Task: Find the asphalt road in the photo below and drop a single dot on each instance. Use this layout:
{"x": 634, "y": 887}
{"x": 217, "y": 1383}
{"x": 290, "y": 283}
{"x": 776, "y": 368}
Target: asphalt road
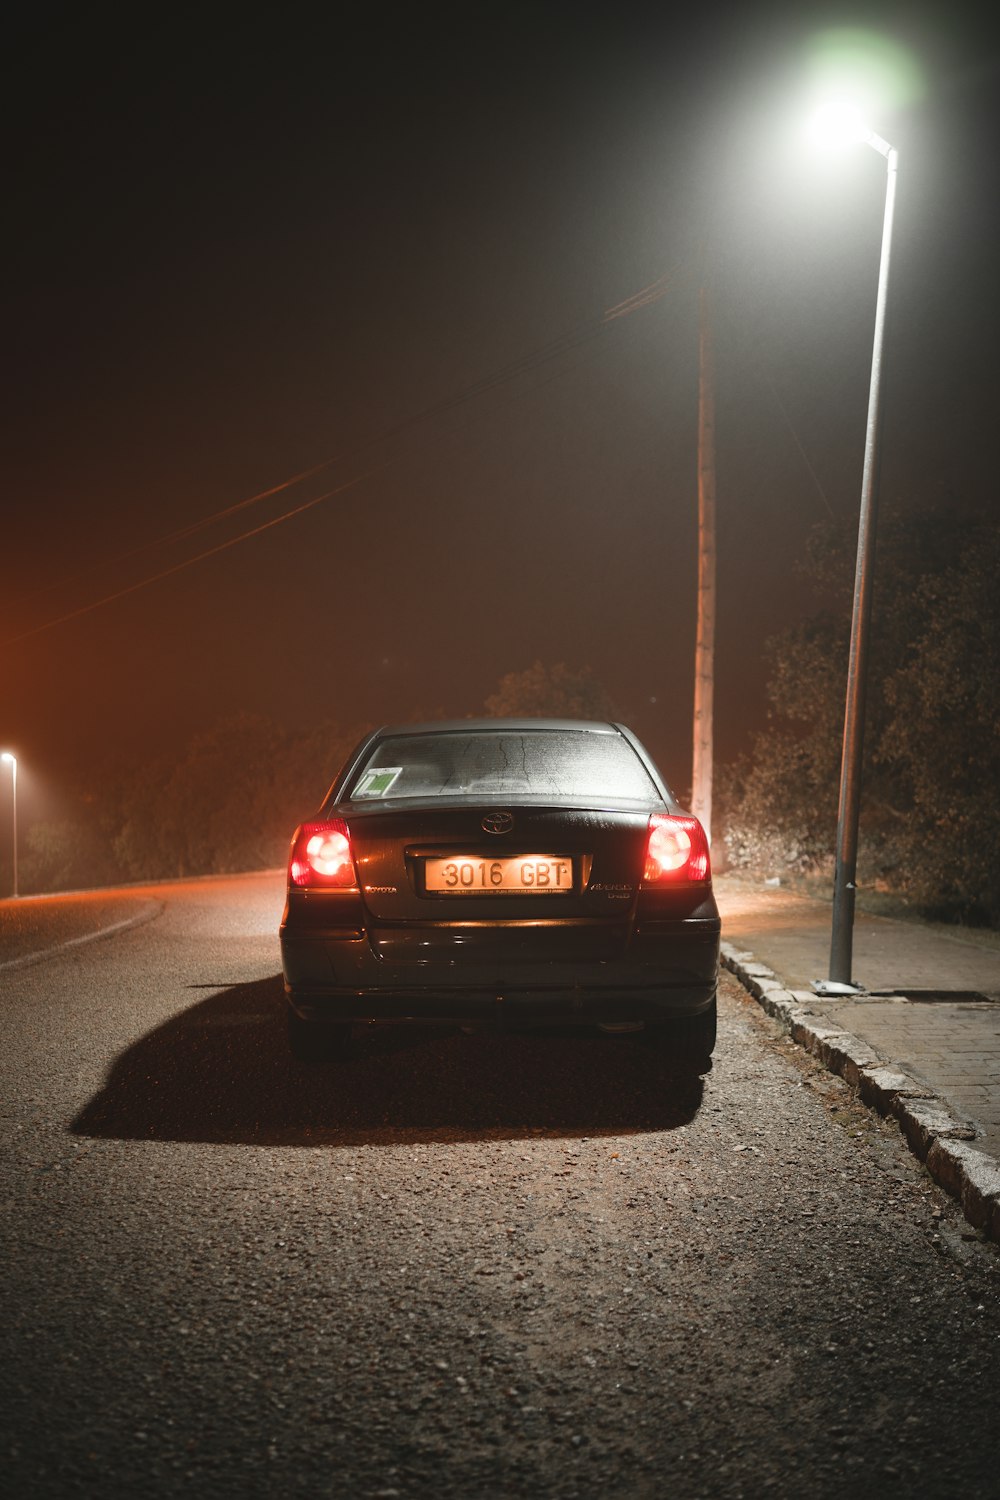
{"x": 461, "y": 1266}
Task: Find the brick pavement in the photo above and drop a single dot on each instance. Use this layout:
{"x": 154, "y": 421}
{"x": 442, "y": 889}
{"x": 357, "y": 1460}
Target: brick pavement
{"x": 955, "y": 1049}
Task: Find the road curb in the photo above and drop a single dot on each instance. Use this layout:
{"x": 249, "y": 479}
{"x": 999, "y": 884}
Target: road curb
{"x": 943, "y": 1142}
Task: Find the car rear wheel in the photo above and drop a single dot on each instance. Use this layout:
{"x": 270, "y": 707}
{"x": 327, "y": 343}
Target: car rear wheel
{"x": 689, "y": 1040}
{"x": 318, "y": 1041}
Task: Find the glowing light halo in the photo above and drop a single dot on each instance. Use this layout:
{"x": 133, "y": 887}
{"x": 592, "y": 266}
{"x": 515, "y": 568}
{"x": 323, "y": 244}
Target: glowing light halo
{"x": 839, "y": 122}
{"x": 328, "y": 853}
{"x": 854, "y": 76}
{"x": 669, "y": 846}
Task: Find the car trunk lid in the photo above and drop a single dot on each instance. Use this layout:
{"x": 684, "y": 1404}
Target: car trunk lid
{"x": 474, "y": 883}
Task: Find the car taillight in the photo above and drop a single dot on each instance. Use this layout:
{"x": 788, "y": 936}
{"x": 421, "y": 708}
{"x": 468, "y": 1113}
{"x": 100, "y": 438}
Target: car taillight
{"x": 676, "y": 850}
{"x": 321, "y": 856}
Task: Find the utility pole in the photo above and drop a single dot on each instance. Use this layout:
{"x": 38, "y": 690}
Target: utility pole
{"x": 704, "y": 656}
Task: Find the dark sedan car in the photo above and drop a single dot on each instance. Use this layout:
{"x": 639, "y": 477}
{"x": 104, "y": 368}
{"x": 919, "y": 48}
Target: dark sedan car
{"x": 501, "y": 872}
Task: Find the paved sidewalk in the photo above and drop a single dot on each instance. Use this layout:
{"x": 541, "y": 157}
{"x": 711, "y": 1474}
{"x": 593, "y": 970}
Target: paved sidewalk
{"x": 922, "y": 1044}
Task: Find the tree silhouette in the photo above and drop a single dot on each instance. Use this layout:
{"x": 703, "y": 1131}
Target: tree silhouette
{"x": 541, "y": 692}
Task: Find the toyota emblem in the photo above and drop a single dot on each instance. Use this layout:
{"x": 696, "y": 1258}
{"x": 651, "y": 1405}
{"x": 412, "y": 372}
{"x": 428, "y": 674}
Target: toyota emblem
{"x": 498, "y": 822}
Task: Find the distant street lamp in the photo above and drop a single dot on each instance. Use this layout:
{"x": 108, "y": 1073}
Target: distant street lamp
{"x": 11, "y": 760}
{"x": 846, "y": 124}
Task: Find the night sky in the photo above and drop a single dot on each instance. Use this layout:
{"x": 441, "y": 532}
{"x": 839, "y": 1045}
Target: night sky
{"x": 384, "y": 242}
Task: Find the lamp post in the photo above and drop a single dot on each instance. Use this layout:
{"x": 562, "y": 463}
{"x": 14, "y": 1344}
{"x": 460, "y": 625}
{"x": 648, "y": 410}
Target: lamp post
{"x": 11, "y": 760}
{"x": 845, "y": 870}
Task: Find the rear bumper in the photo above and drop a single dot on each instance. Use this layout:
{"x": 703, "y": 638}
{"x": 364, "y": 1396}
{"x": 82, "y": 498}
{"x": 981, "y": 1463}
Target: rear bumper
{"x": 666, "y": 972}
{"x": 513, "y": 1008}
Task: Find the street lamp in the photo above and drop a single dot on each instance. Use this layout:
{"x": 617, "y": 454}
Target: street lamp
{"x": 846, "y": 124}
{"x": 11, "y": 760}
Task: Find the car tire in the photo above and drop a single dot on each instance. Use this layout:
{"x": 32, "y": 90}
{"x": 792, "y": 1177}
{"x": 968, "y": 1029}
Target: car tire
{"x": 688, "y": 1041}
{"x": 318, "y": 1041}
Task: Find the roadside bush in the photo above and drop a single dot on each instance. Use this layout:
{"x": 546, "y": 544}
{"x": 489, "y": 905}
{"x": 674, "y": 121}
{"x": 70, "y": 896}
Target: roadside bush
{"x": 930, "y": 816}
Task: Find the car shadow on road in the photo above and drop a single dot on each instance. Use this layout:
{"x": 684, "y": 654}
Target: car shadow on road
{"x": 221, "y": 1071}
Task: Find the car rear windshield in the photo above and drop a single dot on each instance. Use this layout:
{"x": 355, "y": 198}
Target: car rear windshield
{"x": 581, "y": 765}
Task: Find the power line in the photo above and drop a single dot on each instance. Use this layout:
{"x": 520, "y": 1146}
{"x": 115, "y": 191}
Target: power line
{"x": 805, "y": 457}
{"x": 644, "y": 298}
{"x": 526, "y": 364}
{"x": 190, "y": 530}
{"x": 142, "y": 583}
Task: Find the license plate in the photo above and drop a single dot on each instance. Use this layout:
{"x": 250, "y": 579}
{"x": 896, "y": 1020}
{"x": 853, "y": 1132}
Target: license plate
{"x": 524, "y": 875}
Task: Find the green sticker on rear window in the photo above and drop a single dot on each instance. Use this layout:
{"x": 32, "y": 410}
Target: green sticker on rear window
{"x": 377, "y": 782}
